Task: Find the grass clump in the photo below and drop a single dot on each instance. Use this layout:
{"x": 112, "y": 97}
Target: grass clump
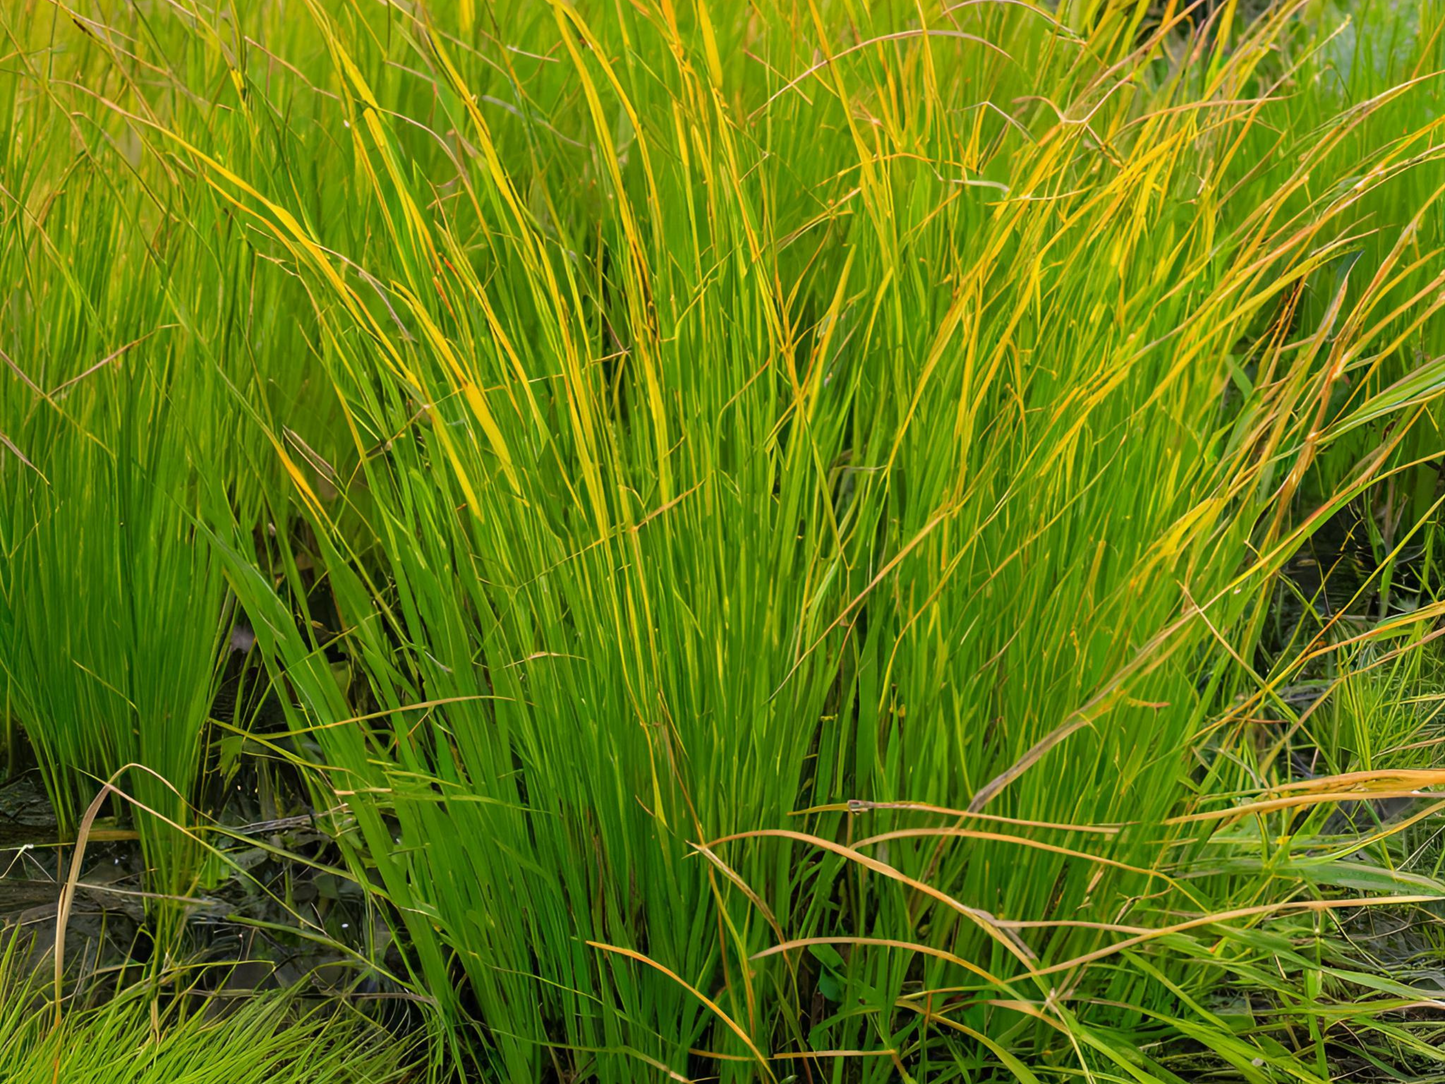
{"x": 134, "y": 1038}
{"x": 801, "y": 490}
{"x": 111, "y": 627}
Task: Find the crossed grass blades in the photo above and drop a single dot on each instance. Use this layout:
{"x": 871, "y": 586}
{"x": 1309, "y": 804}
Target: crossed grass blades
{"x": 802, "y": 487}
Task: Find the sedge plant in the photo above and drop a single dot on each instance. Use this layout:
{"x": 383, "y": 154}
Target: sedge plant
{"x": 801, "y": 485}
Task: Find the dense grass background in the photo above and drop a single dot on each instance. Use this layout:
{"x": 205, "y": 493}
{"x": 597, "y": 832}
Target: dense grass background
{"x": 766, "y": 517}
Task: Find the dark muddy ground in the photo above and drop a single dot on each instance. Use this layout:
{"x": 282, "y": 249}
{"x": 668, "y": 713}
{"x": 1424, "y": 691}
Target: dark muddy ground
{"x": 267, "y": 916}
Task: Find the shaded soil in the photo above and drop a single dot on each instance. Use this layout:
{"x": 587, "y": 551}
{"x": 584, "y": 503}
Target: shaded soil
{"x": 266, "y": 917}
